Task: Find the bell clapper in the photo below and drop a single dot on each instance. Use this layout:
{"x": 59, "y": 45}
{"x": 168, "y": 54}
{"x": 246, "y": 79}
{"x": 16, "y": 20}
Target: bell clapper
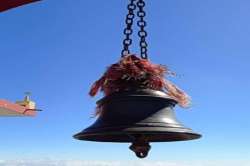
{"x": 141, "y": 147}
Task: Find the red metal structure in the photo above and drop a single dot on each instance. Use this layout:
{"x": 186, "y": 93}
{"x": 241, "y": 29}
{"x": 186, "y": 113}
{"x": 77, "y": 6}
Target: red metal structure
{"x": 9, "y": 4}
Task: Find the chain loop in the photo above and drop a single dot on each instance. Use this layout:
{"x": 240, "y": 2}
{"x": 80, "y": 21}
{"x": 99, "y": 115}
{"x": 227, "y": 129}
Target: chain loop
{"x": 128, "y": 30}
{"x": 142, "y": 33}
{"x": 141, "y": 23}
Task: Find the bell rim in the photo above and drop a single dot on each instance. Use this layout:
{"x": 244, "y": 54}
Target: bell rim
{"x": 155, "y": 133}
{"x": 184, "y": 136}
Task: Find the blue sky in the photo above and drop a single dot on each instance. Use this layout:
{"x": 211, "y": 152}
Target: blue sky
{"x": 57, "y": 50}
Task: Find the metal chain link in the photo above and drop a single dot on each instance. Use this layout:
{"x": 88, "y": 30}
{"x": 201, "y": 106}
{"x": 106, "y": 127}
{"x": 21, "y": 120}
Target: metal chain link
{"x": 128, "y": 30}
{"x": 141, "y": 23}
{"x": 142, "y": 33}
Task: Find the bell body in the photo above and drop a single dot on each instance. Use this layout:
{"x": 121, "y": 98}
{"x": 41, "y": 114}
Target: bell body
{"x": 137, "y": 115}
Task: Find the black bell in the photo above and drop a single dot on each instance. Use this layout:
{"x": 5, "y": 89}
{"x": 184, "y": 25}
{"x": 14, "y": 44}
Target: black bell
{"x": 139, "y": 117}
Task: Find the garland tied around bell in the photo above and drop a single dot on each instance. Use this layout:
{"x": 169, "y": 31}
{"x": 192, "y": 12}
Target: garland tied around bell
{"x": 132, "y": 72}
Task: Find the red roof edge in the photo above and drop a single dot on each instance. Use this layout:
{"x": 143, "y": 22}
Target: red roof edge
{"x": 9, "y": 4}
{"x": 16, "y": 109}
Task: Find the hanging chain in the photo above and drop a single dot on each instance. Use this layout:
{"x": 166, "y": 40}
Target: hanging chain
{"x": 142, "y": 33}
{"x": 128, "y": 30}
{"x": 141, "y": 23}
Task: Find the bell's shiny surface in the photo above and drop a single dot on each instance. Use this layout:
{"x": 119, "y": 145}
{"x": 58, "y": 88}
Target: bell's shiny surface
{"x": 139, "y": 117}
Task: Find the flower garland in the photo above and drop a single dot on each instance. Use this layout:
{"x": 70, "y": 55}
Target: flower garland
{"x": 132, "y": 72}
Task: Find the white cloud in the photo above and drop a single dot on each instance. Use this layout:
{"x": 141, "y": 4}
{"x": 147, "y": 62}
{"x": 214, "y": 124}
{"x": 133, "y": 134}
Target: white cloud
{"x": 120, "y": 163}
